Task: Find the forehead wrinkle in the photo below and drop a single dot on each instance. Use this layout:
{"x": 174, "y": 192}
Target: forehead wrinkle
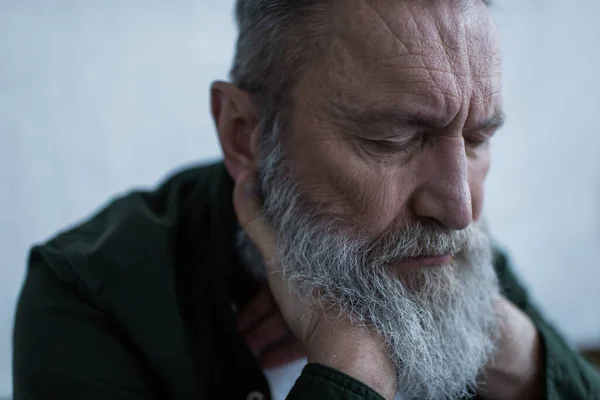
{"x": 354, "y": 110}
{"x": 385, "y": 23}
{"x": 430, "y": 90}
{"x": 419, "y": 47}
{"x": 415, "y": 42}
{"x": 472, "y": 52}
{"x": 442, "y": 73}
{"x": 483, "y": 55}
{"x": 403, "y": 74}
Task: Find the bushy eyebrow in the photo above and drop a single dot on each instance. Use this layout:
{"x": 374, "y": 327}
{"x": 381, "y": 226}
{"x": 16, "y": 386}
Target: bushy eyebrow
{"x": 493, "y": 123}
{"x": 397, "y": 117}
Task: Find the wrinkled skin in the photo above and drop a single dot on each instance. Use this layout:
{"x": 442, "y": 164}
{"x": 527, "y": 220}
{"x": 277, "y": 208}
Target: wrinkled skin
{"x": 395, "y": 124}
{"x": 390, "y": 125}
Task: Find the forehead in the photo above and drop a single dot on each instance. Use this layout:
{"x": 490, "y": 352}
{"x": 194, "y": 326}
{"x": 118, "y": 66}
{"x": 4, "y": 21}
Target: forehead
{"x": 433, "y": 54}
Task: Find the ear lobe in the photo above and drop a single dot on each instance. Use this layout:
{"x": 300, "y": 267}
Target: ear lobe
{"x": 236, "y": 119}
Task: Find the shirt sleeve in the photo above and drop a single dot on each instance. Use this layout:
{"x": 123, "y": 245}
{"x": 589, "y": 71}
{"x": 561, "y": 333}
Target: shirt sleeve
{"x": 318, "y": 382}
{"x": 568, "y": 375}
{"x": 64, "y": 348}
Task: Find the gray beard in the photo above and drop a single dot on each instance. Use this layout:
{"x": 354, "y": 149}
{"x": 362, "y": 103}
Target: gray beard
{"x": 438, "y": 324}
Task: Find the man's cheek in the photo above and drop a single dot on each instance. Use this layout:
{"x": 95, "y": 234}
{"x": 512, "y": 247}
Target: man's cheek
{"x": 382, "y": 202}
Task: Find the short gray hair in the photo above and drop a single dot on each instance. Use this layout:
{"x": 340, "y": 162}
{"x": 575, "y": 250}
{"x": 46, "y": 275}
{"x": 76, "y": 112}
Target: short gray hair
{"x": 276, "y": 39}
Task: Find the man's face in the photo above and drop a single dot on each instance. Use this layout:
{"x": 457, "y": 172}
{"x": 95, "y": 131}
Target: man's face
{"x": 383, "y": 161}
{"x": 392, "y": 125}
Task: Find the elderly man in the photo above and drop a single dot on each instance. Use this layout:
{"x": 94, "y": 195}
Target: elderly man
{"x": 339, "y": 252}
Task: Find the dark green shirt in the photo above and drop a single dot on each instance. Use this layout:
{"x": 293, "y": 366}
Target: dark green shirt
{"x": 136, "y": 303}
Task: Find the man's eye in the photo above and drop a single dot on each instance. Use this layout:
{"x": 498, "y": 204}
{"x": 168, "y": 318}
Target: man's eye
{"x": 477, "y": 140}
{"x": 388, "y": 146}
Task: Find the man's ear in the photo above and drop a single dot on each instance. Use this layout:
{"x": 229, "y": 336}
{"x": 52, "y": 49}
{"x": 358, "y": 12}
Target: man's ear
{"x": 237, "y": 122}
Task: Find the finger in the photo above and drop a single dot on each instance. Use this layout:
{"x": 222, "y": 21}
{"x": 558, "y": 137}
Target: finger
{"x": 259, "y": 308}
{"x": 248, "y": 208}
{"x": 271, "y": 331}
{"x": 282, "y": 355}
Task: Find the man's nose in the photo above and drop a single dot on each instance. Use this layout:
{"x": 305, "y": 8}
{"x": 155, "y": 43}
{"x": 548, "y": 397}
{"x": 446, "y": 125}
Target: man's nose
{"x": 444, "y": 193}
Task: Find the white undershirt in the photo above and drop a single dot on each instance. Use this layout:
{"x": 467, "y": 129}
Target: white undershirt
{"x": 281, "y": 379}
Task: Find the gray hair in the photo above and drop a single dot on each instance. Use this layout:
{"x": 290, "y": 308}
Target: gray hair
{"x": 274, "y": 36}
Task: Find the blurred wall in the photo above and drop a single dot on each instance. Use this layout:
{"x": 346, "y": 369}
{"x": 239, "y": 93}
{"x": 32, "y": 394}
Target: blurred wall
{"x": 100, "y": 96}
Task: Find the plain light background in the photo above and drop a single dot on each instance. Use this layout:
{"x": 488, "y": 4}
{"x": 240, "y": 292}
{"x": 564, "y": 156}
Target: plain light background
{"x": 97, "y": 97}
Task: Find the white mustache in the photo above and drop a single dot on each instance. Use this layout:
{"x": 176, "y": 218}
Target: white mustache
{"x": 420, "y": 240}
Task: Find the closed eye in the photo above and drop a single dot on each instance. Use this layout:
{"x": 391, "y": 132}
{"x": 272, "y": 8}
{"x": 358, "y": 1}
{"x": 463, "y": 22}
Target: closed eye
{"x": 477, "y": 139}
{"x": 390, "y": 147}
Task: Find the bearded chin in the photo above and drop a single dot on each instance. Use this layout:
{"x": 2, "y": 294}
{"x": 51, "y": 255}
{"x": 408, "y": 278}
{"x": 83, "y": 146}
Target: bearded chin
{"x": 438, "y": 324}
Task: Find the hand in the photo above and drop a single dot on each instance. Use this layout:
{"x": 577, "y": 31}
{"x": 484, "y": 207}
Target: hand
{"x": 340, "y": 345}
{"x": 517, "y": 370}
{"x": 265, "y": 331}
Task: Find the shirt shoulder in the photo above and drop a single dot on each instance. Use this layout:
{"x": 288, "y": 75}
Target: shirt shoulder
{"x": 135, "y": 234}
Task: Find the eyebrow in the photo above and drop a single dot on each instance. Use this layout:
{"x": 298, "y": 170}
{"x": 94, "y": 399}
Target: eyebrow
{"x": 372, "y": 117}
{"x": 496, "y": 121}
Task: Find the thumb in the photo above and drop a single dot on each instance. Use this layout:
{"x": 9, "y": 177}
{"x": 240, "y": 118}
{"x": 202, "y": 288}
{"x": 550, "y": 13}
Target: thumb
{"x": 248, "y": 208}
